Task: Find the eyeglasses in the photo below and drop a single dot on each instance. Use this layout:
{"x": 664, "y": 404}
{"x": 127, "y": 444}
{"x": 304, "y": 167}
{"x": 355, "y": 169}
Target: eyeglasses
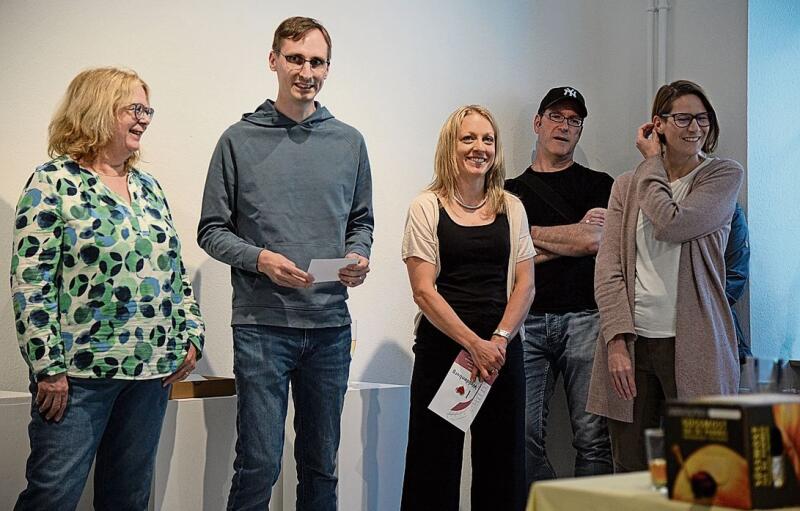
{"x": 139, "y": 111}
{"x": 298, "y": 61}
{"x": 557, "y": 118}
{"x": 683, "y": 120}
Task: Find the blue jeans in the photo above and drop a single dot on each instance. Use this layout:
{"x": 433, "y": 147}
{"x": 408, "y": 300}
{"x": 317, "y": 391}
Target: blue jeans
{"x": 119, "y": 421}
{"x": 562, "y": 344}
{"x": 265, "y": 359}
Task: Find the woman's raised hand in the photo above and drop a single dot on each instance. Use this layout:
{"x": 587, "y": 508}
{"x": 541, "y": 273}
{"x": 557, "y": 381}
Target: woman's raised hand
{"x": 647, "y": 141}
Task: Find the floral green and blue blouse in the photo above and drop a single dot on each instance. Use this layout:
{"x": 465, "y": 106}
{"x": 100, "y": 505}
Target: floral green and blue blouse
{"x": 99, "y": 288}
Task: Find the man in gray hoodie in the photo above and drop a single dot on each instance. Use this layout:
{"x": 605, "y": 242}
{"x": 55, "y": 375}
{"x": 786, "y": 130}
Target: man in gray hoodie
{"x": 287, "y": 184}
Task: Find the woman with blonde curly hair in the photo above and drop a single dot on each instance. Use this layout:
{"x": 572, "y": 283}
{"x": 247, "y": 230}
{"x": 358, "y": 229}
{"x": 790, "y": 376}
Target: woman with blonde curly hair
{"x": 105, "y": 314}
{"x": 469, "y": 257}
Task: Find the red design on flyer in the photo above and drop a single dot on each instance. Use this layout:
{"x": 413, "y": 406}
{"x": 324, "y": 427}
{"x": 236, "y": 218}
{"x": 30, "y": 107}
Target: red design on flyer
{"x": 458, "y": 399}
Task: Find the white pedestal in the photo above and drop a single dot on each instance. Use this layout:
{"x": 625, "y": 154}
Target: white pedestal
{"x": 195, "y": 456}
{"x": 194, "y": 464}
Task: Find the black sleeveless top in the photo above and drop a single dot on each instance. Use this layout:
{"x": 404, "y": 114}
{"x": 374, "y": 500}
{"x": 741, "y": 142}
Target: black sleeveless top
{"x": 474, "y": 271}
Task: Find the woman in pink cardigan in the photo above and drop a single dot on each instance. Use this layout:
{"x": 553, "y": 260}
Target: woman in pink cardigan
{"x": 666, "y": 328}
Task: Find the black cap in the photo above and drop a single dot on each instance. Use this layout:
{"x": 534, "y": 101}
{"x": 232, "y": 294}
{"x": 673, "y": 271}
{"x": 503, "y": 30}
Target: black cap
{"x": 560, "y": 94}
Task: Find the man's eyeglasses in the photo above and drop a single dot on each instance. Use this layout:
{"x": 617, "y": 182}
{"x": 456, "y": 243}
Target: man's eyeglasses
{"x": 298, "y": 61}
{"x": 683, "y": 120}
{"x": 139, "y": 111}
{"x": 575, "y": 122}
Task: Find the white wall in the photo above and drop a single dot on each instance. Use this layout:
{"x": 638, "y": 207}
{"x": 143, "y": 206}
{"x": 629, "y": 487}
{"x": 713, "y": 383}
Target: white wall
{"x": 709, "y": 46}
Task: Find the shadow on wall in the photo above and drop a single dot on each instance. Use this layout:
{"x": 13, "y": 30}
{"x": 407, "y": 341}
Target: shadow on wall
{"x": 212, "y": 289}
{"x": 13, "y": 370}
{"x": 390, "y": 363}
{"x": 522, "y": 137}
{"x": 219, "y": 451}
{"x": 369, "y": 437}
{"x": 203, "y": 366}
{"x": 376, "y": 435}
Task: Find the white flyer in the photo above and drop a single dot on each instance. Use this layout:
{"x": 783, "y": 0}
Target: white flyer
{"x": 458, "y": 400}
{"x": 327, "y": 270}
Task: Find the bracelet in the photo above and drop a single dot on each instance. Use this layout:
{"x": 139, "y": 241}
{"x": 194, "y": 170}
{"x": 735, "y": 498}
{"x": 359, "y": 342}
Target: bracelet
{"x": 505, "y": 334}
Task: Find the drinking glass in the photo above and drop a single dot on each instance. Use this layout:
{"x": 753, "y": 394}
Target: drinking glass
{"x": 656, "y": 461}
{"x": 748, "y": 382}
{"x": 789, "y": 382}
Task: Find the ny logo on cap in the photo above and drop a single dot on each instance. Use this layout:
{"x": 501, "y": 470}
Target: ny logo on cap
{"x": 569, "y": 91}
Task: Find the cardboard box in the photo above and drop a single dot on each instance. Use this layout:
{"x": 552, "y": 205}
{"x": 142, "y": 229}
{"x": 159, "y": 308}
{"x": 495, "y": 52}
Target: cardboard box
{"x": 736, "y": 451}
{"x": 203, "y": 386}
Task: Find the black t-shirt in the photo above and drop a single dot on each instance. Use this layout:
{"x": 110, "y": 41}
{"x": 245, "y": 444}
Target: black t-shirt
{"x": 565, "y": 284}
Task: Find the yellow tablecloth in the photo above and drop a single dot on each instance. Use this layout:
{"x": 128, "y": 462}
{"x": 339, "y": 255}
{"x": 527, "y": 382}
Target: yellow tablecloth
{"x": 623, "y": 492}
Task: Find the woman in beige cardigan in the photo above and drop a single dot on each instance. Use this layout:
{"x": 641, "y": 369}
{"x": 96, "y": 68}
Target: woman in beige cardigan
{"x": 469, "y": 255}
{"x": 666, "y": 328}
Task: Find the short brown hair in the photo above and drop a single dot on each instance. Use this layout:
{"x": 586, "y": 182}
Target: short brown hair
{"x": 667, "y": 94}
{"x": 85, "y": 121}
{"x": 445, "y": 165}
{"x": 295, "y": 28}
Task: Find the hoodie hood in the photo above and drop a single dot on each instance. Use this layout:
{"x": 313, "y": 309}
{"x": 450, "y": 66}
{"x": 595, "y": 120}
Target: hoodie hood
{"x": 266, "y": 115}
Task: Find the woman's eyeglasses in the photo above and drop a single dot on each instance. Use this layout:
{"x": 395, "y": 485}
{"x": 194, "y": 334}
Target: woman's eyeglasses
{"x": 683, "y": 120}
{"x": 139, "y": 111}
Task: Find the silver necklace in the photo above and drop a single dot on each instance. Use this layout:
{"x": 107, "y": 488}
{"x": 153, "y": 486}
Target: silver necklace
{"x": 460, "y": 201}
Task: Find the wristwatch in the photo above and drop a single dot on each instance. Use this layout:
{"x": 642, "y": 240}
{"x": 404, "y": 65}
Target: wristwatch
{"x": 505, "y": 334}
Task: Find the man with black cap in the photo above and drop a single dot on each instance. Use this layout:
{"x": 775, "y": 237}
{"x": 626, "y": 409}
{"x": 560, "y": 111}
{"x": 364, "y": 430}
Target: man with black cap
{"x": 566, "y": 205}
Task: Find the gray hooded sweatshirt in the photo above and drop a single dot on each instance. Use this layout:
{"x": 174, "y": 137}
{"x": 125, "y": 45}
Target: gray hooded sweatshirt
{"x": 302, "y": 190}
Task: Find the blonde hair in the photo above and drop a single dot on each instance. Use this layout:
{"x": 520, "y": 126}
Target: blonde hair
{"x": 445, "y": 163}
{"x": 87, "y": 117}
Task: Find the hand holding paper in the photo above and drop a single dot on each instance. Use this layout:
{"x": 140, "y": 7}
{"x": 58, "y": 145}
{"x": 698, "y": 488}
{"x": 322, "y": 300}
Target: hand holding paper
{"x": 282, "y": 271}
{"x": 354, "y": 274}
{"x": 327, "y": 270}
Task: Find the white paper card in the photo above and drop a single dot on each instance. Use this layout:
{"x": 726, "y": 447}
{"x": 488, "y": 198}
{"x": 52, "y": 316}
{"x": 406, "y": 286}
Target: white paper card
{"x": 458, "y": 399}
{"x": 327, "y": 270}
